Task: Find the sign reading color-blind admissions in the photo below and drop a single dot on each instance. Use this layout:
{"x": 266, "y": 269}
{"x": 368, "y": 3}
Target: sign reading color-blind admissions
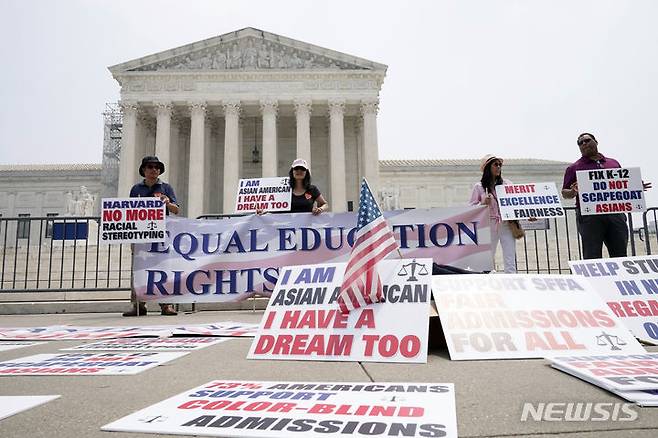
{"x": 533, "y": 200}
{"x": 301, "y": 409}
{"x": 605, "y": 191}
{"x": 268, "y": 194}
{"x": 303, "y": 320}
{"x": 132, "y": 220}
{"x": 629, "y": 285}
{"x": 511, "y": 316}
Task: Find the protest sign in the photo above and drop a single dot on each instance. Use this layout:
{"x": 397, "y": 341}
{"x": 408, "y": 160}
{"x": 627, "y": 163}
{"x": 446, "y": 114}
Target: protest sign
{"x": 303, "y": 320}
{"x": 606, "y": 191}
{"x": 522, "y": 201}
{"x": 269, "y": 194}
{"x": 78, "y": 364}
{"x": 233, "y": 259}
{"x": 304, "y": 409}
{"x": 65, "y": 333}
{"x": 12, "y": 345}
{"x": 647, "y": 397}
{"x": 224, "y": 328}
{"x": 149, "y": 344}
{"x": 629, "y": 285}
{"x": 132, "y": 220}
{"x": 13, "y": 404}
{"x": 525, "y": 316}
{"x": 620, "y": 372}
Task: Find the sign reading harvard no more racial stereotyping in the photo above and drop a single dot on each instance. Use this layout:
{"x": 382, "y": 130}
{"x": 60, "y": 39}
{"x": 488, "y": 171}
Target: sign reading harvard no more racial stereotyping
{"x": 268, "y": 194}
{"x": 132, "y": 220}
{"x": 301, "y": 409}
{"x": 303, "y": 320}
{"x": 606, "y": 191}
{"x": 533, "y": 200}
{"x": 512, "y": 316}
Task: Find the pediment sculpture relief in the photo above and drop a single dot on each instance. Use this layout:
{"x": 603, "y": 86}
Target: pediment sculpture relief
{"x": 249, "y": 53}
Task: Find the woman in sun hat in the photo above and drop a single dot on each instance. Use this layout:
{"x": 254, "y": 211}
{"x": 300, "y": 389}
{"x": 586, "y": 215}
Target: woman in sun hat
{"x": 306, "y": 198}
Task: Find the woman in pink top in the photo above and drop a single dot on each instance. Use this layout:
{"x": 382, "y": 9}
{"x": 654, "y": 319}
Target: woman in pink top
{"x": 484, "y": 193}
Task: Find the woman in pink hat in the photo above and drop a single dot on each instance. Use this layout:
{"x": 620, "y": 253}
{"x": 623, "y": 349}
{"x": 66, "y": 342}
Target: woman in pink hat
{"x": 484, "y": 193}
{"x": 306, "y": 198}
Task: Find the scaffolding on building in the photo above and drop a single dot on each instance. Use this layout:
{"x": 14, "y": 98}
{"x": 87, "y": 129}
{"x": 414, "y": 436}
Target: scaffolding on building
{"x": 112, "y": 129}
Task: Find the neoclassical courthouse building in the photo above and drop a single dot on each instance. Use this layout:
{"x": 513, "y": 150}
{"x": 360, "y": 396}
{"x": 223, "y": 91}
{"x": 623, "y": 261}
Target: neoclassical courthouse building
{"x": 244, "y": 105}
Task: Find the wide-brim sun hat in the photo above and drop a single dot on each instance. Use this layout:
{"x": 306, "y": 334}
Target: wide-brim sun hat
{"x": 149, "y": 160}
{"x": 487, "y": 159}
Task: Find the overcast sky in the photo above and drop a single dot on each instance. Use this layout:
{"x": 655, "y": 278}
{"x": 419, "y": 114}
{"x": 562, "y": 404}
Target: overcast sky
{"x": 516, "y": 78}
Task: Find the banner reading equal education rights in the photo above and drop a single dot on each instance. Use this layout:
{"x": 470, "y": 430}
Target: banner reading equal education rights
{"x": 234, "y": 258}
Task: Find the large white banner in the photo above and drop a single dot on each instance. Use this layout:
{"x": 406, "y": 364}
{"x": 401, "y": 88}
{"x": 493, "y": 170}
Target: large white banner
{"x": 606, "y": 191}
{"x": 76, "y": 364}
{"x": 301, "y": 409}
{"x": 523, "y": 201}
{"x": 235, "y": 258}
{"x": 511, "y": 316}
{"x": 269, "y": 194}
{"x": 13, "y": 404}
{"x": 303, "y": 321}
{"x": 629, "y": 285}
{"x": 12, "y": 345}
{"x": 149, "y": 344}
{"x": 132, "y": 220}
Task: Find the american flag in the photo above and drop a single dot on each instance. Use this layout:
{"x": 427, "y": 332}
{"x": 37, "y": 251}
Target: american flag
{"x": 374, "y": 241}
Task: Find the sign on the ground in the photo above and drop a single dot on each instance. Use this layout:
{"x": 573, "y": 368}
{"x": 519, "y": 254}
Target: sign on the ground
{"x": 621, "y": 372}
{"x": 132, "y": 220}
{"x": 12, "y": 345}
{"x": 76, "y": 364}
{"x": 606, "y": 191}
{"x": 304, "y": 409}
{"x": 65, "y": 332}
{"x": 303, "y": 320}
{"x": 526, "y": 316}
{"x": 629, "y": 285}
{"x": 269, "y": 194}
{"x": 532, "y": 200}
{"x": 13, "y": 404}
{"x": 149, "y": 344}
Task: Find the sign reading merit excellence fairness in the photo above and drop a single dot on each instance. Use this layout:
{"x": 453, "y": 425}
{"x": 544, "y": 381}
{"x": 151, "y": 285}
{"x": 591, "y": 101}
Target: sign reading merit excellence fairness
{"x": 605, "y": 191}
{"x": 132, "y": 220}
{"x": 301, "y": 409}
{"x": 512, "y": 316}
{"x": 629, "y": 285}
{"x": 303, "y": 320}
{"x": 522, "y": 201}
{"x": 269, "y": 194}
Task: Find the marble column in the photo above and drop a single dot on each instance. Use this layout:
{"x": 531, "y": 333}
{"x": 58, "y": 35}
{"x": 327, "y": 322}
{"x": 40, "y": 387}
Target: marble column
{"x": 173, "y": 173}
{"x": 270, "y": 160}
{"x": 231, "y": 155}
{"x": 338, "y": 201}
{"x": 196, "y": 183}
{"x": 303, "y": 116}
{"x": 163, "y": 134}
{"x": 370, "y": 152}
{"x": 128, "y": 162}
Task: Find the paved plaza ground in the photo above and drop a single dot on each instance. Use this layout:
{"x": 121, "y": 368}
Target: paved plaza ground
{"x": 489, "y": 394}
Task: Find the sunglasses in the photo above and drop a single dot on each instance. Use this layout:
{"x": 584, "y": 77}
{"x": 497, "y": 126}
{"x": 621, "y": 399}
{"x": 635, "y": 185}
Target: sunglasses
{"x": 582, "y": 141}
{"x": 299, "y": 168}
{"x": 152, "y": 166}
{"x": 497, "y": 164}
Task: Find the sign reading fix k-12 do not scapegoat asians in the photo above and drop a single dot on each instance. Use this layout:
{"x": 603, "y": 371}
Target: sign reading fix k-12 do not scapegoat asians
{"x": 303, "y": 320}
{"x": 606, "y": 191}
{"x": 512, "y": 316}
{"x": 533, "y": 200}
{"x": 267, "y": 194}
{"x": 132, "y": 220}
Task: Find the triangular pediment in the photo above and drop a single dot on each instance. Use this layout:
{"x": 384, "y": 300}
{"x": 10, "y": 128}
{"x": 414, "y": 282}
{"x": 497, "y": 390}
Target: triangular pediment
{"x": 247, "y": 49}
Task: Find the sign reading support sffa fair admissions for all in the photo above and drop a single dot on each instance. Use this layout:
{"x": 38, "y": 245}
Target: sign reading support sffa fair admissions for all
{"x": 301, "y": 409}
{"x": 303, "y": 320}
{"x": 629, "y": 285}
{"x": 269, "y": 194}
{"x": 523, "y": 201}
{"x": 605, "y": 191}
{"x": 132, "y": 220}
{"x": 512, "y": 316}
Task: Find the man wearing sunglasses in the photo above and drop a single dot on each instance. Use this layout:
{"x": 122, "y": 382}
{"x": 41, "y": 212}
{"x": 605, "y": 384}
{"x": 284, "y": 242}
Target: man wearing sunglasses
{"x": 595, "y": 230}
{"x": 151, "y": 186}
